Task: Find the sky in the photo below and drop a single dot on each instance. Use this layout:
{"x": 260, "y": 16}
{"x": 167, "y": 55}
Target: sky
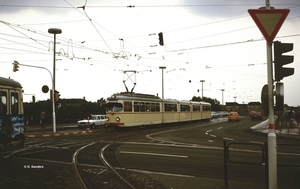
{"x": 105, "y": 45}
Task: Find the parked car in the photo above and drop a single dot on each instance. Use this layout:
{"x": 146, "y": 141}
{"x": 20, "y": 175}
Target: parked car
{"x": 93, "y": 121}
{"x": 234, "y": 116}
{"x": 256, "y": 115}
{"x": 252, "y": 112}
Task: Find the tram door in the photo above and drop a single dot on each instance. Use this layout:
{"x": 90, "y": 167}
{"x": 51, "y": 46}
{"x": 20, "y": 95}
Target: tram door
{"x": 11, "y": 118}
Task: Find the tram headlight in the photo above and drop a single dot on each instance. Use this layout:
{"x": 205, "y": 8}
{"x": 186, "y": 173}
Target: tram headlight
{"x": 118, "y": 118}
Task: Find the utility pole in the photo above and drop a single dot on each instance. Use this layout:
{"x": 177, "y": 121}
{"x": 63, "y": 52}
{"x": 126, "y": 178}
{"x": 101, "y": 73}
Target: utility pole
{"x": 202, "y": 81}
{"x": 54, "y": 31}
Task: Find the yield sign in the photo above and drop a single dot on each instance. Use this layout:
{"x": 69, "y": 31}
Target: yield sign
{"x": 269, "y": 21}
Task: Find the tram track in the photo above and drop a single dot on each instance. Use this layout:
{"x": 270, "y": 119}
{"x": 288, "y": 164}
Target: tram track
{"x": 75, "y": 164}
{"x": 93, "y": 174}
{"x": 101, "y": 156}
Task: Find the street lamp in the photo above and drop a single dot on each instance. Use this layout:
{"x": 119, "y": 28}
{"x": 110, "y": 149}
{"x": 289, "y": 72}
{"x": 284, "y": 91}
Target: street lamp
{"x": 54, "y": 31}
{"x": 162, "y": 80}
{"x": 222, "y": 96}
{"x": 202, "y": 81}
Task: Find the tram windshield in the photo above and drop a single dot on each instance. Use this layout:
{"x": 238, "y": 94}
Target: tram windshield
{"x": 114, "y": 107}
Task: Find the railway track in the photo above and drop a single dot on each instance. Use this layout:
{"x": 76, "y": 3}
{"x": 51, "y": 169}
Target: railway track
{"x": 69, "y": 164}
{"x": 95, "y": 174}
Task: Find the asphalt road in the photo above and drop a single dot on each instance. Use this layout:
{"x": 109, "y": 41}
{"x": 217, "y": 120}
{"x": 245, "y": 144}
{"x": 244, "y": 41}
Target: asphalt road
{"x": 177, "y": 156}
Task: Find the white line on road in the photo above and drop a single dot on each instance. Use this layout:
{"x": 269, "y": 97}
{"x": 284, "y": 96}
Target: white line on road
{"x": 160, "y": 173}
{"x": 152, "y": 154}
{"x": 227, "y": 138}
{"x": 208, "y": 132}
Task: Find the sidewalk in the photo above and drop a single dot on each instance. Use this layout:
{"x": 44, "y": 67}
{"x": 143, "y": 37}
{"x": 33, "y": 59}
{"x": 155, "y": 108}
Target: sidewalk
{"x": 280, "y": 127}
{"x": 47, "y": 131}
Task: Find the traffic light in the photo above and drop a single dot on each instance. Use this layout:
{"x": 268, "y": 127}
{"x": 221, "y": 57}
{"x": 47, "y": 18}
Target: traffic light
{"x": 279, "y": 97}
{"x": 161, "y": 38}
{"x": 280, "y": 60}
{"x": 16, "y": 66}
{"x": 56, "y": 96}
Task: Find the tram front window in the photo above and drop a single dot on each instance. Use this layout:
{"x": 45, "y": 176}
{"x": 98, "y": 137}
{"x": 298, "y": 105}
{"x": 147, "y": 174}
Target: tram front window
{"x": 3, "y": 102}
{"x": 114, "y": 107}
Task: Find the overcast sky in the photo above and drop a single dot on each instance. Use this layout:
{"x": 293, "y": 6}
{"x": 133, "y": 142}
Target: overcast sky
{"x": 215, "y": 41}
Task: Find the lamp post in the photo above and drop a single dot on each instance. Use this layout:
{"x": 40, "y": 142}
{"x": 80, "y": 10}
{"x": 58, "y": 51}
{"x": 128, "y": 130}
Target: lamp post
{"x": 54, "y": 31}
{"x": 222, "y": 96}
{"x": 162, "y": 80}
{"x": 202, "y": 81}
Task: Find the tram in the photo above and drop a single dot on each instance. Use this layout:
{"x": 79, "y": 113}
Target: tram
{"x": 129, "y": 109}
{"x": 11, "y": 114}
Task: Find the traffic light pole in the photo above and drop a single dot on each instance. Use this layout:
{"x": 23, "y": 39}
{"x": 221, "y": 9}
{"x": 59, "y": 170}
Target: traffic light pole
{"x": 53, "y": 99}
{"x": 272, "y": 147}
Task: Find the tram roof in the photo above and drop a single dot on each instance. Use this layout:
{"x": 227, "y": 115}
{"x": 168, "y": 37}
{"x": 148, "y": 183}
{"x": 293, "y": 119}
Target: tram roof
{"x": 133, "y": 96}
{"x": 149, "y": 97}
{"x": 9, "y": 82}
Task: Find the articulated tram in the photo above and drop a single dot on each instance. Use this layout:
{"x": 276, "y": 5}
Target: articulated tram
{"x": 11, "y": 114}
{"x": 133, "y": 109}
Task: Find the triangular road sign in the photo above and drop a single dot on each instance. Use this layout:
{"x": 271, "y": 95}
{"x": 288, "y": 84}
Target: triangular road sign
{"x": 269, "y": 21}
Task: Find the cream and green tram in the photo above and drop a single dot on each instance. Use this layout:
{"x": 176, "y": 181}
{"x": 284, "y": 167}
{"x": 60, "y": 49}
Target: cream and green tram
{"x": 12, "y": 125}
{"x": 133, "y": 109}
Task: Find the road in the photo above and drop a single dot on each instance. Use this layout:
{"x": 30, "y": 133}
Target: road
{"x": 177, "y": 156}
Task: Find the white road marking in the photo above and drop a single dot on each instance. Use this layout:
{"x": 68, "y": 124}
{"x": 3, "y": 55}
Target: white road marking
{"x": 227, "y": 138}
{"x": 153, "y": 154}
{"x": 208, "y": 132}
{"x": 160, "y": 173}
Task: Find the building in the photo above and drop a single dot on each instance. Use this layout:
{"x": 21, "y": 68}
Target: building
{"x": 244, "y": 109}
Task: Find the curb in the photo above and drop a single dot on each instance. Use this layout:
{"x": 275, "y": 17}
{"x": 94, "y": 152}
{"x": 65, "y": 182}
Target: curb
{"x": 58, "y": 134}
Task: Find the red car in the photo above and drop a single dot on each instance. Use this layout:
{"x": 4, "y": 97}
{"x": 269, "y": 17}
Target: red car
{"x": 256, "y": 115}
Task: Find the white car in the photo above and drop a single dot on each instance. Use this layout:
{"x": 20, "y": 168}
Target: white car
{"x": 94, "y": 121}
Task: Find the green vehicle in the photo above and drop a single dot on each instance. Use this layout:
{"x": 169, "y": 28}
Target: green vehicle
{"x": 12, "y": 123}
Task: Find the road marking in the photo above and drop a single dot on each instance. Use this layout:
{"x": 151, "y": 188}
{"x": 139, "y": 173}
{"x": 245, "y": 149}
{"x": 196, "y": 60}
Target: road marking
{"x": 220, "y": 128}
{"x": 227, "y": 138}
{"x": 255, "y": 142}
{"x": 152, "y": 154}
{"x": 210, "y": 141}
{"x": 160, "y": 173}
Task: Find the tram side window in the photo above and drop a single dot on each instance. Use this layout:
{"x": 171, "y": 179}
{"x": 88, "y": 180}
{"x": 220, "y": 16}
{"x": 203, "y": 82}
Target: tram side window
{"x": 171, "y": 107}
{"x": 196, "y": 108}
{"x": 206, "y": 108}
{"x": 3, "y": 105}
{"x": 14, "y": 103}
{"x": 127, "y": 106}
{"x": 185, "y": 108}
{"x": 146, "y": 107}
{"x": 142, "y": 107}
{"x": 139, "y": 106}
{"x": 136, "y": 106}
{"x": 155, "y": 107}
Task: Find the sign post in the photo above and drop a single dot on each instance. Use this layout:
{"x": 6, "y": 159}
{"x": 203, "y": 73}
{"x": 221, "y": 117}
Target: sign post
{"x": 269, "y": 22}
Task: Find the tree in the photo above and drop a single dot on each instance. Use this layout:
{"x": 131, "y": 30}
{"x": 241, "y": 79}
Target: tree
{"x": 215, "y": 104}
